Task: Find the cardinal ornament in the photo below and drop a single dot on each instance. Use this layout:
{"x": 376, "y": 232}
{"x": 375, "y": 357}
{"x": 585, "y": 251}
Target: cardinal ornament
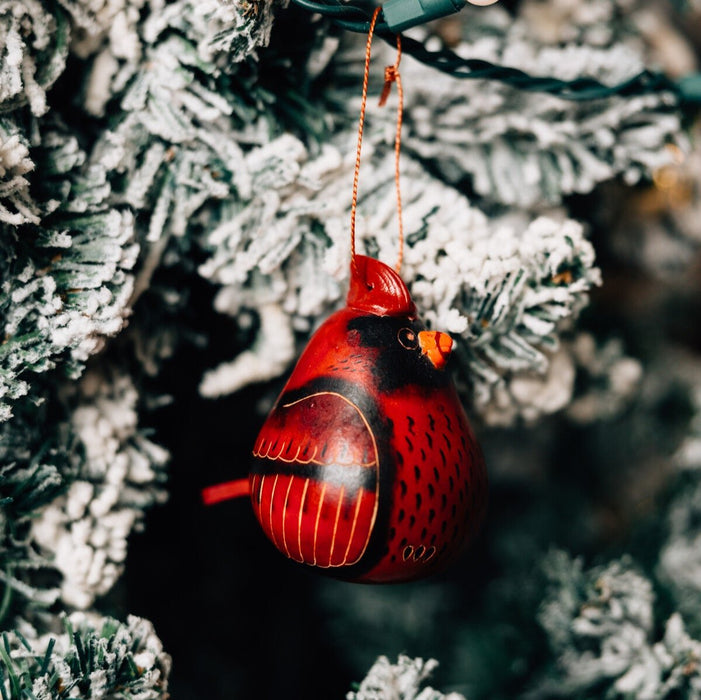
{"x": 367, "y": 466}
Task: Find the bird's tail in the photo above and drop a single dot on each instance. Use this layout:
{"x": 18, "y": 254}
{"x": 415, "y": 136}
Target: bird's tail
{"x": 225, "y": 491}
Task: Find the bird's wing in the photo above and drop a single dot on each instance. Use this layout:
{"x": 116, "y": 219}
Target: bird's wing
{"x": 314, "y": 485}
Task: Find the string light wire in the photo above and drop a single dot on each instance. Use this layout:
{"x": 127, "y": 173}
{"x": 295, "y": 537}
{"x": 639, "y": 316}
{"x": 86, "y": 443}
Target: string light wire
{"x": 357, "y": 19}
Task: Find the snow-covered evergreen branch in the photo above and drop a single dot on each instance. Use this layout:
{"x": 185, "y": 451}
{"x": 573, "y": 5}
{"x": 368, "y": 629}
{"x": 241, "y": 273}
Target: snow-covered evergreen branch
{"x": 91, "y": 658}
{"x": 521, "y": 149}
{"x": 503, "y": 287}
{"x": 400, "y": 681}
{"x": 600, "y": 625}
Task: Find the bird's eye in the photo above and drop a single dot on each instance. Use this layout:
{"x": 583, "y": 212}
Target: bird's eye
{"x": 408, "y": 339}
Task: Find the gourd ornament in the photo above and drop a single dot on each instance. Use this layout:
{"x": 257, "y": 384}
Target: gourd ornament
{"x": 367, "y": 467}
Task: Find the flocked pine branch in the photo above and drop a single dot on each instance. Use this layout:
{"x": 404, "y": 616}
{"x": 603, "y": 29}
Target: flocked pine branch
{"x": 16, "y": 205}
{"x": 64, "y": 288}
{"x": 602, "y": 632}
{"x": 522, "y": 149}
{"x": 92, "y": 657}
{"x": 502, "y": 287}
{"x": 73, "y": 491}
{"x": 661, "y": 236}
{"x": 611, "y": 378}
{"x": 400, "y": 681}
{"x": 34, "y": 46}
{"x": 118, "y": 474}
{"x": 36, "y": 468}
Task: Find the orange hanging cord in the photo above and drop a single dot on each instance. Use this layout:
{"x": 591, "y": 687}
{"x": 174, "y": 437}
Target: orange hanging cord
{"x": 391, "y": 76}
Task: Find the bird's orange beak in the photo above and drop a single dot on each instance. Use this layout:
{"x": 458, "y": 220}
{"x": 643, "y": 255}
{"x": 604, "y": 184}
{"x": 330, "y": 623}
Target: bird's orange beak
{"x": 436, "y": 346}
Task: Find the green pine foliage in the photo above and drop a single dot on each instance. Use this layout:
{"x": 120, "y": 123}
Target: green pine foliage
{"x": 89, "y": 658}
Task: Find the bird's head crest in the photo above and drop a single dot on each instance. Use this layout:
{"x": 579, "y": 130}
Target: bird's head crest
{"x": 375, "y": 288}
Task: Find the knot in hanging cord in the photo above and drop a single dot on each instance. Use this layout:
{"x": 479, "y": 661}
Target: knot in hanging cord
{"x": 391, "y": 76}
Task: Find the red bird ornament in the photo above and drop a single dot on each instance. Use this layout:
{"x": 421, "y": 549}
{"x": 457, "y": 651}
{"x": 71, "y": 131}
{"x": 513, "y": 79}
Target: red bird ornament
{"x": 367, "y": 466}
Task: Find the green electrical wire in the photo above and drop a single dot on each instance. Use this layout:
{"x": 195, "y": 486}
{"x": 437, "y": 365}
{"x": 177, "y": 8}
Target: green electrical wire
{"x": 357, "y": 19}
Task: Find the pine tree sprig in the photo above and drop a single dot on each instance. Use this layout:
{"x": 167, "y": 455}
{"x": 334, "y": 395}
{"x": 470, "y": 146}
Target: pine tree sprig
{"x": 93, "y": 658}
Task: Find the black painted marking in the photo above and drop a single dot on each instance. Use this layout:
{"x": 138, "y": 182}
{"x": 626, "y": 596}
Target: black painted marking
{"x": 419, "y": 552}
{"x": 429, "y": 440}
{"x": 447, "y": 441}
{"x": 410, "y": 427}
{"x": 400, "y": 458}
{"x": 392, "y": 533}
{"x": 444, "y": 501}
{"x": 443, "y": 459}
{"x": 394, "y": 367}
{"x": 400, "y": 516}
{"x": 431, "y": 490}
{"x": 403, "y": 487}
{"x": 431, "y": 422}
{"x": 444, "y": 527}
{"x": 429, "y": 553}
{"x": 424, "y": 532}
{"x": 448, "y": 423}
{"x": 431, "y": 515}
{"x": 433, "y": 539}
{"x": 454, "y": 510}
{"x": 408, "y": 551}
{"x": 418, "y": 501}
{"x": 436, "y": 474}
{"x": 417, "y": 472}
{"x": 403, "y": 542}
{"x": 412, "y": 521}
{"x": 423, "y": 454}
{"x": 410, "y": 447}
{"x": 451, "y": 483}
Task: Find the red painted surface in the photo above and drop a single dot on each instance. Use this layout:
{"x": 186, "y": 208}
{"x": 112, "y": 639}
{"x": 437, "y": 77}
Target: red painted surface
{"x": 367, "y": 465}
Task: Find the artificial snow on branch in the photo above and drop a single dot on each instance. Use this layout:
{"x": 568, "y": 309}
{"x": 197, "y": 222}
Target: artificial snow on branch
{"x": 33, "y": 46}
{"x": 601, "y": 629}
{"x": 16, "y": 205}
{"x": 517, "y": 148}
{"x": 503, "y": 287}
{"x": 62, "y": 301}
{"x": 119, "y": 473}
{"x": 35, "y": 469}
{"x": 660, "y": 233}
{"x": 400, "y": 681}
{"x": 612, "y": 379}
{"x": 93, "y": 657}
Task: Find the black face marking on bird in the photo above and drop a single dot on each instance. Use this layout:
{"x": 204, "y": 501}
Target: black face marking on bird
{"x": 399, "y": 361}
